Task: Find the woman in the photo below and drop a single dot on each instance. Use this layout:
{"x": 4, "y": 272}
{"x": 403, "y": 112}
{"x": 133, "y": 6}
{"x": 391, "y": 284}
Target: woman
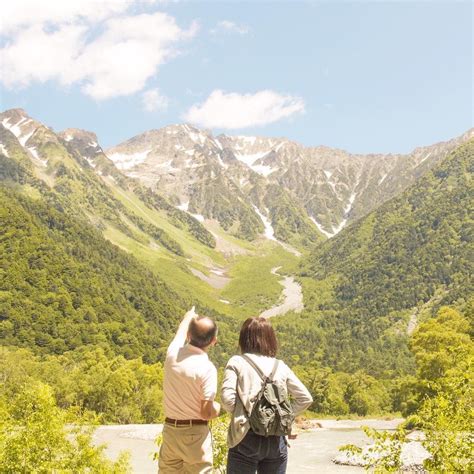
{"x": 249, "y": 452}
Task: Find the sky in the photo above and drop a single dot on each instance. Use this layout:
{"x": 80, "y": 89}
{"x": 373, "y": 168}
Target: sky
{"x": 367, "y": 77}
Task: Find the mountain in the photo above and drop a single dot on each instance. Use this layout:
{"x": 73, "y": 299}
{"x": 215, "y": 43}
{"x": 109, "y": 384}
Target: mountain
{"x": 210, "y": 217}
{"x": 367, "y": 288}
{"x": 200, "y": 174}
{"x": 324, "y": 189}
{"x": 70, "y": 170}
{"x": 65, "y": 286}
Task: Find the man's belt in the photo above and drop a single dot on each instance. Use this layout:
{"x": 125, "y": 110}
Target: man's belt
{"x": 170, "y": 421}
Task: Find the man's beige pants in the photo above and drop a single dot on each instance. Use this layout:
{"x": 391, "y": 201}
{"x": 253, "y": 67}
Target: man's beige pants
{"x": 185, "y": 449}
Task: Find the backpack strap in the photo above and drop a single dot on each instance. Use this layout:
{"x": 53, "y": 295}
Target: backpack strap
{"x": 259, "y": 370}
{"x": 275, "y": 367}
{"x": 255, "y": 367}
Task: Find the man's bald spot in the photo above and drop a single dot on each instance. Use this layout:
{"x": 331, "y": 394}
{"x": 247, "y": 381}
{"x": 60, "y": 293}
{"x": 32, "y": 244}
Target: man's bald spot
{"x": 204, "y": 324}
{"x": 202, "y": 331}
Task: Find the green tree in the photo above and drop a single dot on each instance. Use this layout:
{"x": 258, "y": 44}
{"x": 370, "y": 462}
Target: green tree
{"x": 444, "y": 352}
{"x": 38, "y": 437}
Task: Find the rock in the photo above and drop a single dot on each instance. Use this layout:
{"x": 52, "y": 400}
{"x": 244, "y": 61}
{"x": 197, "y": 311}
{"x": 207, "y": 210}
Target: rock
{"x": 305, "y": 424}
{"x": 412, "y": 456}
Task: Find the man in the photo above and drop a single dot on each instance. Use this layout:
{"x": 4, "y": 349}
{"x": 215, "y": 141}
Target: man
{"x": 190, "y": 386}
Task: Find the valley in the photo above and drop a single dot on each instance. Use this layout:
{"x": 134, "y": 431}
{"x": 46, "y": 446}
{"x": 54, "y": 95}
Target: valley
{"x": 235, "y": 225}
{"x": 355, "y": 258}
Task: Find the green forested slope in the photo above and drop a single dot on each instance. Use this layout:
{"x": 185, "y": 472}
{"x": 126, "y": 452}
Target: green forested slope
{"x": 403, "y": 252}
{"x": 362, "y": 285}
{"x": 64, "y": 286}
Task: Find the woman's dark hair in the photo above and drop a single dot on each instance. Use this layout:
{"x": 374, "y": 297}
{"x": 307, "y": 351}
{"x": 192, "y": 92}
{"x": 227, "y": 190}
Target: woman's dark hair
{"x": 258, "y": 337}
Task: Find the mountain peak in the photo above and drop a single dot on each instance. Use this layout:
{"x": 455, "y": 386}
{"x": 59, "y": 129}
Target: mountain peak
{"x": 15, "y": 113}
{"x": 16, "y": 117}
{"x": 18, "y": 122}
{"x": 70, "y": 134}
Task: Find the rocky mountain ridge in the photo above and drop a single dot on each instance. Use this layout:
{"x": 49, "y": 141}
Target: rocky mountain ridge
{"x": 252, "y": 186}
{"x": 332, "y": 187}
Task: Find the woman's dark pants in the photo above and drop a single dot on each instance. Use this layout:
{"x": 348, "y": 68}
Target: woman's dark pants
{"x": 264, "y": 455}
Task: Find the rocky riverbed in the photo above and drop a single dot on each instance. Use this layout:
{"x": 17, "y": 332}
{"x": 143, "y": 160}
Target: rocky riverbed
{"x": 312, "y": 452}
{"x": 291, "y": 298}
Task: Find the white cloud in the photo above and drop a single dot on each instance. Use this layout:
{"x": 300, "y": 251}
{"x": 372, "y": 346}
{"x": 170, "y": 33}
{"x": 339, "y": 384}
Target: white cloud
{"x": 24, "y": 13}
{"x": 111, "y": 57}
{"x": 233, "y": 111}
{"x": 38, "y": 56}
{"x": 152, "y": 100}
{"x": 231, "y": 27}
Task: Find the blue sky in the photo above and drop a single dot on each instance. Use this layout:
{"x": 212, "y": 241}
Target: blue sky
{"x": 362, "y": 76}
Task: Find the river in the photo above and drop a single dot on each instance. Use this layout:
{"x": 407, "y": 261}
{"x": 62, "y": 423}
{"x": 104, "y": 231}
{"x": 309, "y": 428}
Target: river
{"x": 292, "y": 297}
{"x": 311, "y": 452}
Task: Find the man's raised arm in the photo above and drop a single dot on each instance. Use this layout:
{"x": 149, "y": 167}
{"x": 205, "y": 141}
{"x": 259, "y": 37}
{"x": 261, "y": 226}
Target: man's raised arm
{"x": 182, "y": 332}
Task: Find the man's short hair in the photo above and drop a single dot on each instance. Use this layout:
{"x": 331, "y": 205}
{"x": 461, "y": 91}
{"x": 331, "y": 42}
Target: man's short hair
{"x": 202, "y": 330}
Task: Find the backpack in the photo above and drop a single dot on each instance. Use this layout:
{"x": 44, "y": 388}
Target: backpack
{"x": 271, "y": 413}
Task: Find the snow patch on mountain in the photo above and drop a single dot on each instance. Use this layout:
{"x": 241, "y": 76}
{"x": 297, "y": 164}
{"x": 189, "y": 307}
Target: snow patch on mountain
{"x": 24, "y": 138}
{"x": 264, "y": 170}
{"x": 168, "y": 167}
{"x": 198, "y": 217}
{"x": 278, "y": 147}
{"x": 333, "y": 185}
{"x": 269, "y": 231}
{"x": 250, "y": 159}
{"x": 4, "y": 150}
{"x": 382, "y": 179}
{"x": 125, "y": 161}
{"x": 328, "y": 174}
{"x": 17, "y": 131}
{"x": 188, "y": 164}
{"x": 321, "y": 228}
{"x": 91, "y": 162}
{"x": 33, "y": 151}
{"x": 197, "y": 137}
{"x": 347, "y": 210}
{"x": 342, "y": 224}
{"x": 184, "y": 206}
{"x": 219, "y": 159}
{"x": 68, "y": 138}
{"x": 425, "y": 158}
